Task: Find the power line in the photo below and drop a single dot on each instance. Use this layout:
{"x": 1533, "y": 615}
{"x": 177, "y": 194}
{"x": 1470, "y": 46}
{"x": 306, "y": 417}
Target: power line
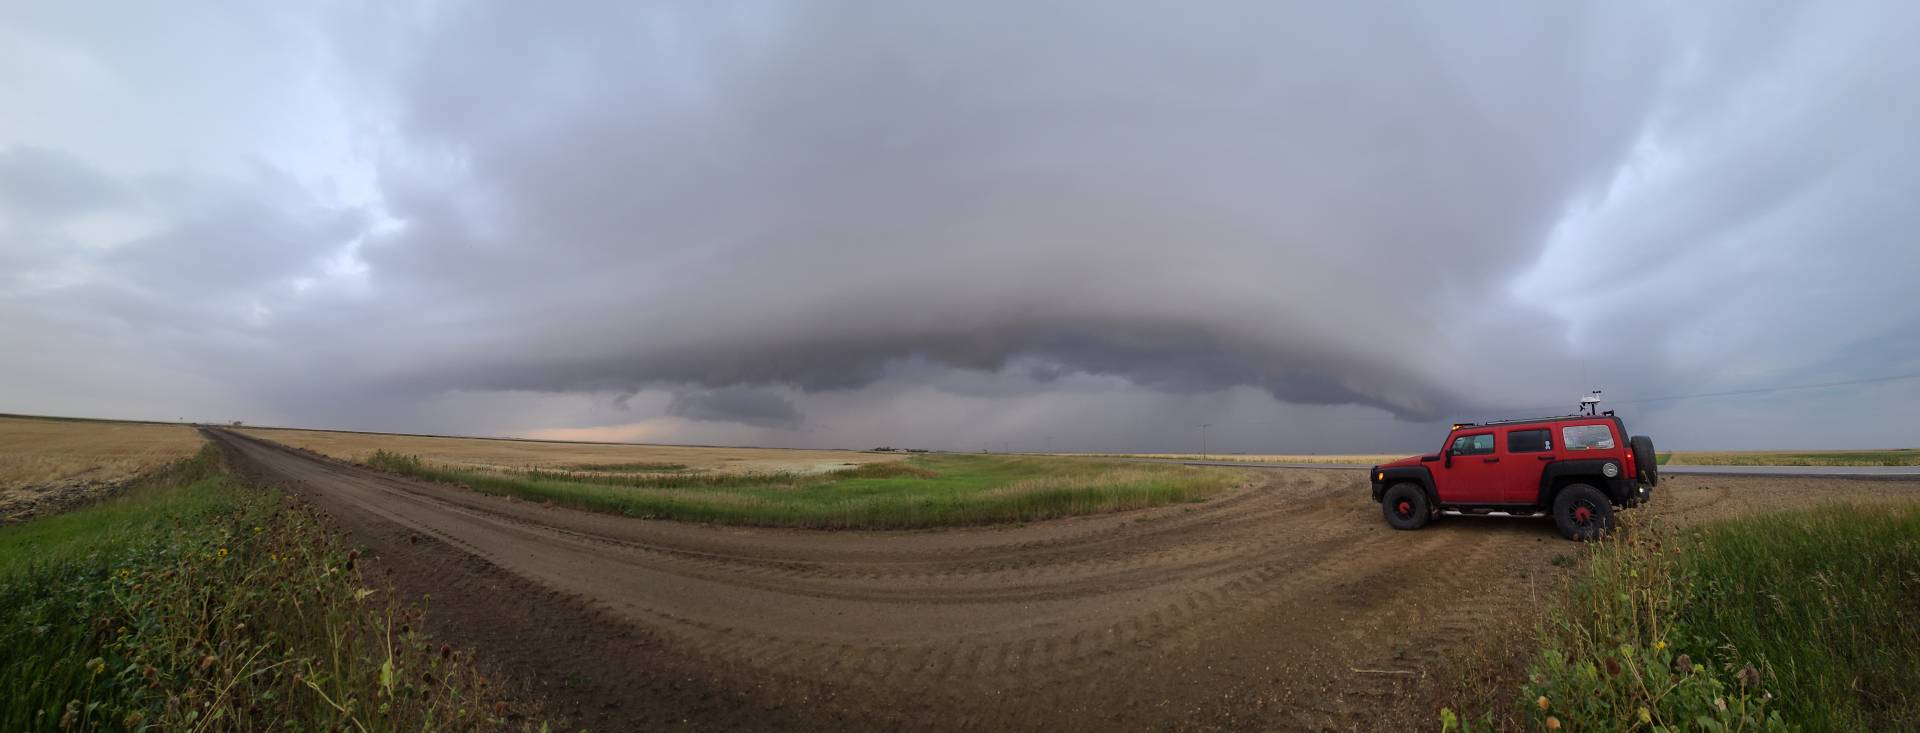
{"x": 1770, "y": 390}
{"x": 1754, "y": 391}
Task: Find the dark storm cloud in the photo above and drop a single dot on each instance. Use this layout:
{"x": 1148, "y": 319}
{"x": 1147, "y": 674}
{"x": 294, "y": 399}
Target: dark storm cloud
{"x": 1191, "y": 201}
{"x": 747, "y": 406}
{"x": 1003, "y": 219}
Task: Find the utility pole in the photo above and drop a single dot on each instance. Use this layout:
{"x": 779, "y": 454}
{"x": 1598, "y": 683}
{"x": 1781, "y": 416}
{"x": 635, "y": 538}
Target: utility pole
{"x": 1203, "y": 439}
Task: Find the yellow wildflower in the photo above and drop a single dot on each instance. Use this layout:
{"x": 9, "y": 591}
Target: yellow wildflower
{"x": 1660, "y": 645}
{"x": 1543, "y": 702}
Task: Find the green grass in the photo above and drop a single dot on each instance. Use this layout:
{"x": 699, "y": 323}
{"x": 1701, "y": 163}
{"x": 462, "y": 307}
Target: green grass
{"x": 194, "y": 602}
{"x": 1827, "y": 603}
{"x": 1896, "y": 457}
{"x": 186, "y": 494}
{"x": 1808, "y": 619}
{"x": 926, "y": 491}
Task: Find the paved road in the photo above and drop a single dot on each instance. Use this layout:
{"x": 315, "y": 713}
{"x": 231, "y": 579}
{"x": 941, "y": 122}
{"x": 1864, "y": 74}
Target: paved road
{"x": 1890, "y": 472}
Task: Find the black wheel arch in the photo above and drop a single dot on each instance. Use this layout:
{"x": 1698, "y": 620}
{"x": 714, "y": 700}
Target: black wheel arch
{"x": 1385, "y": 477}
{"x": 1591, "y": 471}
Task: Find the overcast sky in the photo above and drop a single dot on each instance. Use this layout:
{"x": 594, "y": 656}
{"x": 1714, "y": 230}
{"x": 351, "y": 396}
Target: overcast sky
{"x": 1079, "y": 226}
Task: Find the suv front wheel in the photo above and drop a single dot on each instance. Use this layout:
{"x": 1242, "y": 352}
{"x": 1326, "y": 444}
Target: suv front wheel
{"x": 1406, "y": 506}
{"x": 1582, "y": 512}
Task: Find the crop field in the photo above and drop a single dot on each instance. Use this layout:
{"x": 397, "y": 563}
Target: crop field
{"x": 494, "y": 453}
{"x": 48, "y": 463}
{"x": 1360, "y": 459}
{"x": 46, "y": 450}
{"x": 1895, "y": 457}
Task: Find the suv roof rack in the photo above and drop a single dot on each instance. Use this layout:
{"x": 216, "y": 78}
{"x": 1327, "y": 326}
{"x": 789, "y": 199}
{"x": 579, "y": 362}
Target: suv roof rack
{"x": 1554, "y": 418}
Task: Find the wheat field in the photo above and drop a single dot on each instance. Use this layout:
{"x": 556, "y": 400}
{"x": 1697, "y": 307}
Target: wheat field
{"x": 507, "y": 453}
{"x": 36, "y": 451}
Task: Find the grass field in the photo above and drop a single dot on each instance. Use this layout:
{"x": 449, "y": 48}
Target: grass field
{"x": 926, "y": 491}
{"x": 37, "y": 451}
{"x": 1361, "y": 459}
{"x": 1895, "y": 457}
{"x": 1808, "y": 618}
{"x": 193, "y": 602}
{"x": 497, "y": 453}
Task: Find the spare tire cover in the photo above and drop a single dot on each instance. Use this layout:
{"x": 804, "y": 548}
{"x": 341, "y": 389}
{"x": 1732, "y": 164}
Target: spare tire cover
{"x": 1645, "y": 459}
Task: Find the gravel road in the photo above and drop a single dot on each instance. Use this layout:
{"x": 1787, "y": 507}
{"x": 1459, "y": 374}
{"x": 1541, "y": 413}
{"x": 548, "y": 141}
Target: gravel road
{"x": 1284, "y": 604}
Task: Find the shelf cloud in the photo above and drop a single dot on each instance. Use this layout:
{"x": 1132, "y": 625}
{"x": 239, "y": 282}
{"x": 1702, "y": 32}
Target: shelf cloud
{"x": 964, "y": 225}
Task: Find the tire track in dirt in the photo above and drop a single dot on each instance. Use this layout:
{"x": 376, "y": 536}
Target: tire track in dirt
{"x": 1253, "y": 610}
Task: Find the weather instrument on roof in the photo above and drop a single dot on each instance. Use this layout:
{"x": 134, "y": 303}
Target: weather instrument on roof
{"x": 1589, "y": 404}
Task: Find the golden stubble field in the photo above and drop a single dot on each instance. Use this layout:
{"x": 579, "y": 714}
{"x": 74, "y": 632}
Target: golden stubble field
{"x": 50, "y": 464}
{"x": 500, "y": 453}
{"x": 36, "y": 451}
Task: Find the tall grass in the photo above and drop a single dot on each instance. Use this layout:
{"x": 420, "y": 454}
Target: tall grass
{"x": 927, "y": 491}
{"x": 1800, "y": 619}
{"x": 195, "y": 603}
{"x": 1827, "y": 602}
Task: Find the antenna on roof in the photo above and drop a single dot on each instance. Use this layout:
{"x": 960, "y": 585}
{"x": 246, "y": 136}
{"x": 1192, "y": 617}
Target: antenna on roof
{"x": 1590, "y": 404}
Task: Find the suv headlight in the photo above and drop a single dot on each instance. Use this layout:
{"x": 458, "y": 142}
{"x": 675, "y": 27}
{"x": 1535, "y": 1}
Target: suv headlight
{"x": 1611, "y": 470}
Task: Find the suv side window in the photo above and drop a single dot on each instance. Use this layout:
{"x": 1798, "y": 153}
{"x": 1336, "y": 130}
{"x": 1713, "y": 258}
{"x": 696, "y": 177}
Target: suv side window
{"x": 1583, "y": 437}
{"x": 1530, "y": 441}
{"x": 1473, "y": 445}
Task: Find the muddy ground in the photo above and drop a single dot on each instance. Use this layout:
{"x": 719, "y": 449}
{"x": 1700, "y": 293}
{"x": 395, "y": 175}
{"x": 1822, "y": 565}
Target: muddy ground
{"x": 1287, "y": 604}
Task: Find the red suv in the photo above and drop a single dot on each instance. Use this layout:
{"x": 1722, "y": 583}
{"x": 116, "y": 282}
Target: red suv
{"x": 1576, "y": 468}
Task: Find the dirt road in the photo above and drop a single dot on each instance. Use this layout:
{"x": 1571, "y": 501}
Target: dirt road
{"x": 1286, "y": 604}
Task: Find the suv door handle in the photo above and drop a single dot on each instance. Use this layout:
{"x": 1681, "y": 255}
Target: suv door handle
{"x": 1546, "y": 458}
{"x": 1493, "y": 460}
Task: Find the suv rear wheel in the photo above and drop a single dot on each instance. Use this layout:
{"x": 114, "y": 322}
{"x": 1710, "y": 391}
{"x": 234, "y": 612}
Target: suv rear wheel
{"x": 1406, "y": 506}
{"x": 1582, "y": 512}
